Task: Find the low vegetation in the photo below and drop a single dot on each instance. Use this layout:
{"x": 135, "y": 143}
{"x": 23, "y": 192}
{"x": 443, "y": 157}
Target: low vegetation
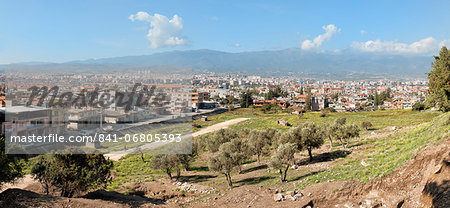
{"x": 247, "y": 154}
{"x": 12, "y": 166}
{"x": 72, "y": 173}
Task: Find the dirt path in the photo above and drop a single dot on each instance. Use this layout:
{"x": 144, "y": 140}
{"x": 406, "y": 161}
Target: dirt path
{"x": 215, "y": 127}
{"x": 218, "y": 126}
{"x": 20, "y": 184}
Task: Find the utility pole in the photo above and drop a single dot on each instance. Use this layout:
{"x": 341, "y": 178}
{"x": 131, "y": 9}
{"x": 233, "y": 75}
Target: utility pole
{"x": 101, "y": 118}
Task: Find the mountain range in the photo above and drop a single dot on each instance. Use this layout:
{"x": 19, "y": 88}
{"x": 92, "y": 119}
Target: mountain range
{"x": 294, "y": 60}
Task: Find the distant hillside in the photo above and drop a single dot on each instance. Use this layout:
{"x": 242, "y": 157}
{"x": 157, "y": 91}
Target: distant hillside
{"x": 288, "y": 60}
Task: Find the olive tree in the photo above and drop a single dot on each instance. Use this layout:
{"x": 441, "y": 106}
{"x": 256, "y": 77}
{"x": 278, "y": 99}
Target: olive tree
{"x": 239, "y": 151}
{"x": 223, "y": 162}
{"x": 259, "y": 142}
{"x": 72, "y": 173}
{"x": 283, "y": 159}
{"x": 219, "y": 137}
{"x": 346, "y": 132}
{"x": 332, "y": 129}
{"x": 186, "y": 159}
{"x": 293, "y": 135}
{"x": 167, "y": 163}
{"x": 312, "y": 137}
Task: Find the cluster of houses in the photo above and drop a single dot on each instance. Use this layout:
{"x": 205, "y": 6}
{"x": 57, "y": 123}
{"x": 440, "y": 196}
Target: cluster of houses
{"x": 316, "y": 95}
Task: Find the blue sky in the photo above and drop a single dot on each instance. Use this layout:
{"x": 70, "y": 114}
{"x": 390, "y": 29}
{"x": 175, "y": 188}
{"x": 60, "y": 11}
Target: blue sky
{"x": 59, "y": 31}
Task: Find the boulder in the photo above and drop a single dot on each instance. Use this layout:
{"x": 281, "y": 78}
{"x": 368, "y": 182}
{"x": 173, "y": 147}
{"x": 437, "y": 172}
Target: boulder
{"x": 278, "y": 197}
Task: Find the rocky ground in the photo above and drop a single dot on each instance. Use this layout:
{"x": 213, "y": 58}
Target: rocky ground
{"x": 424, "y": 181}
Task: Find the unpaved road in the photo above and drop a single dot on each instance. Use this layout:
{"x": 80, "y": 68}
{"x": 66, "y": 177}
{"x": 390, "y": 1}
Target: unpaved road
{"x": 218, "y": 126}
{"x": 119, "y": 154}
{"x": 21, "y": 183}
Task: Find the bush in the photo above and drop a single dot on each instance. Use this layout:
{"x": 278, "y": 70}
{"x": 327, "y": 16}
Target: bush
{"x": 11, "y": 165}
{"x": 72, "y": 173}
{"x": 366, "y": 125}
{"x": 418, "y": 107}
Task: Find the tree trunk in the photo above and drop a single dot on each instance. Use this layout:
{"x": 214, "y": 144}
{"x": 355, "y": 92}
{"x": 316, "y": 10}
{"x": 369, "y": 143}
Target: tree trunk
{"x": 169, "y": 174}
{"x": 331, "y": 141}
{"x": 259, "y": 161}
{"x": 186, "y": 166}
{"x": 228, "y": 177}
{"x": 178, "y": 173}
{"x": 281, "y": 176}
{"x": 310, "y": 154}
{"x": 46, "y": 186}
{"x": 285, "y": 173}
{"x": 342, "y": 142}
{"x": 142, "y": 157}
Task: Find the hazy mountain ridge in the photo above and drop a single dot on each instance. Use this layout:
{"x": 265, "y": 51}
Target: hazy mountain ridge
{"x": 292, "y": 60}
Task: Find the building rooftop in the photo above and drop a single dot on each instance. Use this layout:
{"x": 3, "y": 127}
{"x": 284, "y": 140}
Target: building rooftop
{"x": 21, "y": 109}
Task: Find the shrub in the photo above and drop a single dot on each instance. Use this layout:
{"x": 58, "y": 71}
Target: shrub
{"x": 366, "y": 125}
{"x": 72, "y": 173}
{"x": 11, "y": 165}
{"x": 418, "y": 107}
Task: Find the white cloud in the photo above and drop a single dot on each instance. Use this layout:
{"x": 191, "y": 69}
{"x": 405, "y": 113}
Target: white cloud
{"x": 330, "y": 30}
{"x": 423, "y": 46}
{"x": 237, "y": 45}
{"x": 163, "y": 31}
{"x": 363, "y": 32}
{"x": 445, "y": 43}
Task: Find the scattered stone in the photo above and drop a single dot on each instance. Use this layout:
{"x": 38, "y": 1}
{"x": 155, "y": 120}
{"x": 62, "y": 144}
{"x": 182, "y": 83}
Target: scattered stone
{"x": 290, "y": 193}
{"x": 283, "y": 122}
{"x": 278, "y": 197}
{"x": 364, "y": 163}
{"x": 292, "y": 198}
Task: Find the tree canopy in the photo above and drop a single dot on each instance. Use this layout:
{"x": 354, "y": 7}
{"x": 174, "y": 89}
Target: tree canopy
{"x": 72, "y": 173}
{"x": 439, "y": 81}
{"x": 11, "y": 165}
{"x": 283, "y": 158}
